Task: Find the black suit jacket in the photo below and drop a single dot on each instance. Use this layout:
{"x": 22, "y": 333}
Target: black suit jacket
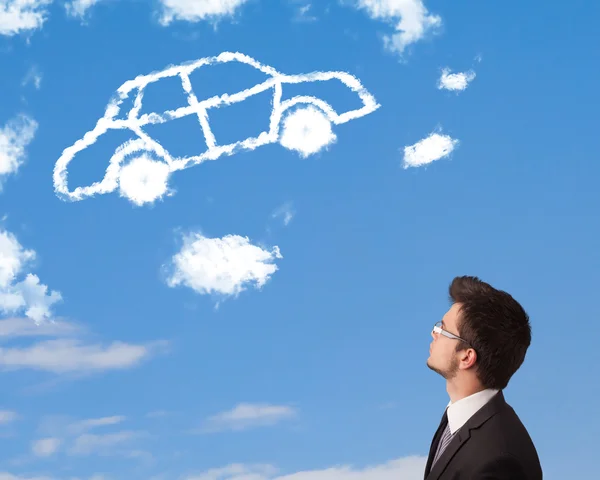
{"x": 492, "y": 445}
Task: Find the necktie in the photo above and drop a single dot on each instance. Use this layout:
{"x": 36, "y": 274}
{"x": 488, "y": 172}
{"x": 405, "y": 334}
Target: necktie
{"x": 444, "y": 441}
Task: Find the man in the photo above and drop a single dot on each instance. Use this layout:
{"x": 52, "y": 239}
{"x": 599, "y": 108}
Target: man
{"x": 477, "y": 347}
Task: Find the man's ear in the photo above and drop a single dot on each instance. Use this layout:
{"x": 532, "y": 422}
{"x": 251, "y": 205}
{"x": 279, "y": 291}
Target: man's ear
{"x": 468, "y": 358}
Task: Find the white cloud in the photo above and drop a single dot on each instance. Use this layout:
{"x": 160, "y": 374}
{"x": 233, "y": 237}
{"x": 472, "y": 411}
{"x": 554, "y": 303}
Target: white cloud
{"x": 197, "y": 10}
{"x": 427, "y": 150}
{"x": 73, "y": 356}
{"x": 455, "y": 81}
{"x": 410, "y": 18}
{"x": 18, "y": 16}
{"x": 15, "y": 136}
{"x": 247, "y": 415}
{"x": 221, "y": 265}
{"x": 7, "y": 416}
{"x": 78, "y": 8}
{"x": 45, "y": 447}
{"x": 27, "y": 296}
{"x": 307, "y": 130}
{"x": 144, "y": 180}
{"x": 407, "y": 468}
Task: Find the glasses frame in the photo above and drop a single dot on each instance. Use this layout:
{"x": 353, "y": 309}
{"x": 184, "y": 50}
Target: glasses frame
{"x": 437, "y": 328}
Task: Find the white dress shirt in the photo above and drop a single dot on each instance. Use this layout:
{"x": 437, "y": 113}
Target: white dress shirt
{"x": 459, "y": 412}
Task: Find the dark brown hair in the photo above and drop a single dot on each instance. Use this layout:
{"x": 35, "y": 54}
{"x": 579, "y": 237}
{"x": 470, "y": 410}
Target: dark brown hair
{"x": 495, "y": 325}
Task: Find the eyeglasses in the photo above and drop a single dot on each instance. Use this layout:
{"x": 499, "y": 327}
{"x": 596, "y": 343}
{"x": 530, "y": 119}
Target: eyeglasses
{"x": 437, "y": 328}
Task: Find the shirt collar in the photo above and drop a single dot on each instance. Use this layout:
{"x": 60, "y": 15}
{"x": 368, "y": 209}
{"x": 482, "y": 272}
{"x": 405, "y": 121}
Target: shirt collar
{"x": 459, "y": 412}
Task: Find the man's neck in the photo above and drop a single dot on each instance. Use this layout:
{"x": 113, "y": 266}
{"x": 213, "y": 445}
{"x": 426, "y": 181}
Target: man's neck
{"x": 457, "y": 392}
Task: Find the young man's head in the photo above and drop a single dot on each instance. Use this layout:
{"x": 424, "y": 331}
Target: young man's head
{"x": 482, "y": 339}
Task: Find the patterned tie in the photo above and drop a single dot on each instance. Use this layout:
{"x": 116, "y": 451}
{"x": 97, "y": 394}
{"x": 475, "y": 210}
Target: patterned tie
{"x": 444, "y": 441}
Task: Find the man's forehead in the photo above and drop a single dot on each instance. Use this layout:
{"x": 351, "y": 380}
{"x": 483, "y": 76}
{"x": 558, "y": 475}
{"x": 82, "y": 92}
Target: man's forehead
{"x": 451, "y": 316}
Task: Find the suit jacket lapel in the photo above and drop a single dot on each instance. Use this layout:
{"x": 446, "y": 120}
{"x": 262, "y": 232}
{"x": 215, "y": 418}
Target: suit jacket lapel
{"x": 462, "y": 436}
{"x": 435, "y": 441}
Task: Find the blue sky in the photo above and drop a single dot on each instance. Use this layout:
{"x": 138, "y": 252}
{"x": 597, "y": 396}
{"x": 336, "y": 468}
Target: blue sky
{"x": 271, "y": 313}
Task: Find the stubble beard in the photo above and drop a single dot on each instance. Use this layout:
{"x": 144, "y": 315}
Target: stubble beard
{"x": 447, "y": 373}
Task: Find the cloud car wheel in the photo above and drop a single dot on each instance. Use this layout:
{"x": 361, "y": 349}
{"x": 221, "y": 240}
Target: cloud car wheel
{"x": 143, "y": 176}
{"x": 306, "y": 130}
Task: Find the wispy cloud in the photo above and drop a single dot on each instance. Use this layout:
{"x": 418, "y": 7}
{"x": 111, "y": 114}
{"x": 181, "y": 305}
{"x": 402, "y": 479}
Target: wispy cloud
{"x": 69, "y": 353}
{"x": 45, "y": 447}
{"x": 77, "y": 438}
{"x": 22, "y": 296}
{"x": 22, "y": 327}
{"x": 18, "y": 16}
{"x": 303, "y": 11}
{"x": 74, "y": 356}
{"x": 429, "y": 149}
{"x": 410, "y": 18}
{"x": 15, "y": 136}
{"x": 7, "y": 416}
{"x": 406, "y": 468}
{"x": 195, "y": 11}
{"x": 248, "y": 415}
{"x": 101, "y": 444}
{"x": 85, "y": 425}
{"x": 34, "y": 76}
{"x": 455, "y": 81}
{"x": 286, "y": 212}
{"x": 225, "y": 266}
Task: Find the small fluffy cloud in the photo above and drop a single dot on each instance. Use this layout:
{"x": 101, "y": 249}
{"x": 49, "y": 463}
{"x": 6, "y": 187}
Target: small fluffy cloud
{"x": 407, "y": 468}
{"x": 15, "y": 136}
{"x": 28, "y": 295}
{"x": 197, "y": 10}
{"x": 410, "y": 18}
{"x": 455, "y": 81}
{"x": 17, "y": 16}
{"x": 427, "y": 150}
{"x": 246, "y": 415}
{"x": 225, "y": 266}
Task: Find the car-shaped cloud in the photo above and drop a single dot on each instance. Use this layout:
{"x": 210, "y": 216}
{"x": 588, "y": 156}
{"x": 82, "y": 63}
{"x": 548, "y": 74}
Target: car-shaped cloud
{"x": 308, "y": 121}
